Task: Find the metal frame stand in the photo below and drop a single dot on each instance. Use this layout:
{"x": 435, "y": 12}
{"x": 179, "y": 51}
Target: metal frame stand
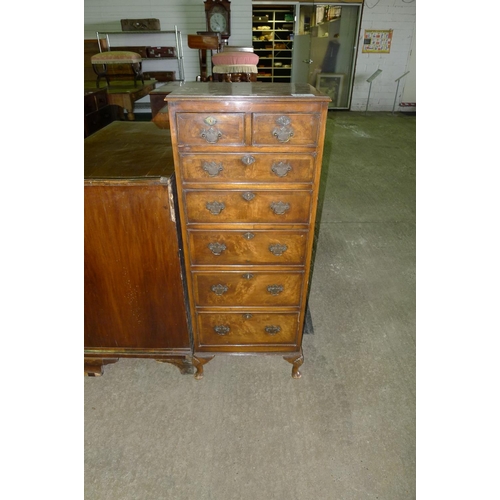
{"x": 370, "y": 80}
{"x": 397, "y": 88}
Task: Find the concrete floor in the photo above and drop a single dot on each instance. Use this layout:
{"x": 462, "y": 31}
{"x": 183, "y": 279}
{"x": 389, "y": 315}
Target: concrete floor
{"x": 346, "y": 429}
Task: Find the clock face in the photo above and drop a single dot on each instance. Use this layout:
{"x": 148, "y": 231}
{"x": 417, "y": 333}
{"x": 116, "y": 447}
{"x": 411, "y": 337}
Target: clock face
{"x": 218, "y": 17}
{"x": 218, "y": 22}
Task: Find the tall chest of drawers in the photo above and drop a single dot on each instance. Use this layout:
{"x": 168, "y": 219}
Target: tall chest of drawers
{"x": 248, "y": 160}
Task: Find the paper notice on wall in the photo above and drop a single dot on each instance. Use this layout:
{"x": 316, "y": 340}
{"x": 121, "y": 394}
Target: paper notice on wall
{"x": 377, "y": 41}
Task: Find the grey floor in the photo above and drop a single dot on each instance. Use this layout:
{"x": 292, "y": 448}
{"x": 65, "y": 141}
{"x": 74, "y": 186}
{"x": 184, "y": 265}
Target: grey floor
{"x": 346, "y": 429}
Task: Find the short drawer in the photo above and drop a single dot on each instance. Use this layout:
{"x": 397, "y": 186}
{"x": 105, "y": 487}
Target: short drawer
{"x": 247, "y": 328}
{"x": 215, "y": 129}
{"x": 247, "y": 167}
{"x": 244, "y": 247}
{"x": 247, "y": 288}
{"x": 286, "y": 129}
{"x": 222, "y": 206}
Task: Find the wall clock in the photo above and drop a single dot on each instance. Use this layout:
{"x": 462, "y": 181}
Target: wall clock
{"x": 218, "y": 14}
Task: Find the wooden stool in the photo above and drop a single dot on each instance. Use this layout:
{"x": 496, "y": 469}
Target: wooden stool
{"x": 116, "y": 57}
{"x": 235, "y": 64}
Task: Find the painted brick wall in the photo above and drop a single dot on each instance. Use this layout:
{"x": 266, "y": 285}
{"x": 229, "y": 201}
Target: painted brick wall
{"x": 400, "y": 16}
{"x": 188, "y": 15}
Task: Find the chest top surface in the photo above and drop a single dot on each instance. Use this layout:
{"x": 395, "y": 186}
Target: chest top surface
{"x": 245, "y": 90}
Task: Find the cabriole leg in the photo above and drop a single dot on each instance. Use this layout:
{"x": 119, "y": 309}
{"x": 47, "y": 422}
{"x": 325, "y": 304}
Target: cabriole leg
{"x": 198, "y": 363}
{"x": 296, "y": 360}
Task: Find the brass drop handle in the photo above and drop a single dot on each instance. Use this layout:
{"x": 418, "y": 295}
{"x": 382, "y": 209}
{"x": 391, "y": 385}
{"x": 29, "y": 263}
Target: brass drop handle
{"x": 279, "y": 207}
{"x": 284, "y": 132}
{"x": 219, "y": 289}
{"x": 281, "y": 168}
{"x": 216, "y": 248}
{"x": 272, "y": 329}
{"x": 275, "y": 289}
{"x": 211, "y": 134}
{"x": 222, "y": 329}
{"x": 278, "y": 249}
{"x": 212, "y": 168}
{"x": 215, "y": 207}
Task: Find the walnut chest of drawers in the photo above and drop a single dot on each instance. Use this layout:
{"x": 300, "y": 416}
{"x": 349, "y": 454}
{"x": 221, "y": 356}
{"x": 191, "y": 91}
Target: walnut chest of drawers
{"x": 248, "y": 160}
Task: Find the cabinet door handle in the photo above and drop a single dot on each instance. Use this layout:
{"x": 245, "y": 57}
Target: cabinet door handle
{"x": 272, "y": 329}
{"x": 216, "y": 248}
{"x": 219, "y": 289}
{"x": 222, "y": 329}
{"x": 275, "y": 289}
{"x": 281, "y": 168}
{"x": 279, "y": 207}
{"x": 278, "y": 249}
{"x": 214, "y": 207}
{"x": 212, "y": 168}
{"x": 248, "y": 160}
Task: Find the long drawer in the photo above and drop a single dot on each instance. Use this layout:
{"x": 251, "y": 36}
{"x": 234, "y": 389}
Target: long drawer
{"x": 225, "y": 206}
{"x": 255, "y": 167}
{"x": 248, "y": 328}
{"x": 245, "y": 247}
{"x": 247, "y": 288}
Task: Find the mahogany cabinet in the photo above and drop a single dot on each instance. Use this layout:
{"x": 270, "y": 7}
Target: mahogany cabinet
{"x": 134, "y": 289}
{"x": 247, "y": 159}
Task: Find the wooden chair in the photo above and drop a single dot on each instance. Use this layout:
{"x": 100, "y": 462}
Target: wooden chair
{"x": 204, "y": 42}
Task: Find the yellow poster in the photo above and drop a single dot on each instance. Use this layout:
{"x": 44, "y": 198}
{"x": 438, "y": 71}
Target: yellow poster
{"x": 377, "y": 41}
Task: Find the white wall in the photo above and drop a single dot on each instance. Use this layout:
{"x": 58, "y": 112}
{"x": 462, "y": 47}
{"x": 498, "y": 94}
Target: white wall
{"x": 188, "y": 15}
{"x": 400, "y": 16}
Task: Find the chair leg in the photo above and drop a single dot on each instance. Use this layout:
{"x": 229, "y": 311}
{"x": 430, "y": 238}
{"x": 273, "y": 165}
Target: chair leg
{"x": 101, "y": 74}
{"x": 137, "y": 68}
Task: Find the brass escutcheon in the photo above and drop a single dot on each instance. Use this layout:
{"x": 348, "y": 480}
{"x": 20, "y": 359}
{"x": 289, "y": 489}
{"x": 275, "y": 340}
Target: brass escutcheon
{"x": 248, "y": 160}
{"x": 248, "y": 196}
